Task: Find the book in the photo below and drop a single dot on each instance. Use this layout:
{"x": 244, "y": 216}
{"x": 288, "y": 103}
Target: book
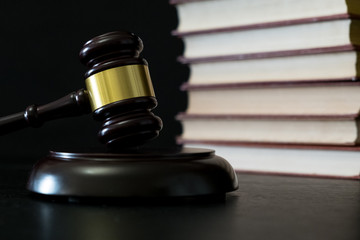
{"x": 201, "y": 16}
{"x": 295, "y": 99}
{"x": 303, "y": 35}
{"x": 290, "y": 160}
{"x": 321, "y": 64}
{"x": 327, "y": 130}
{"x": 273, "y": 84}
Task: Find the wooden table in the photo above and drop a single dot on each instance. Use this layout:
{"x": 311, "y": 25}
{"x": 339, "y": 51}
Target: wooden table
{"x": 264, "y": 207}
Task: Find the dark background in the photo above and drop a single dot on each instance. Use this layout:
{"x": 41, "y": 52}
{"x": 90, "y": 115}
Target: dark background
{"x": 40, "y": 42}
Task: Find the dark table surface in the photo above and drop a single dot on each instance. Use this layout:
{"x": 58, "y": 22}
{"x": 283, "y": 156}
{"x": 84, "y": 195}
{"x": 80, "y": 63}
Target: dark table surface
{"x": 264, "y": 207}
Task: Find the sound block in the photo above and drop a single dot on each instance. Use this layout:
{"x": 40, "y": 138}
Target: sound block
{"x": 186, "y": 172}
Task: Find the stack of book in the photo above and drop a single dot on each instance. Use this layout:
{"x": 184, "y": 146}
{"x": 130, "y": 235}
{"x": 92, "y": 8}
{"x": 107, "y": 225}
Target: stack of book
{"x": 273, "y": 84}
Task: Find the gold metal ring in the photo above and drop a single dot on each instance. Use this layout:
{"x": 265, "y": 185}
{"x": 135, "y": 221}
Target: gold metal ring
{"x": 117, "y": 84}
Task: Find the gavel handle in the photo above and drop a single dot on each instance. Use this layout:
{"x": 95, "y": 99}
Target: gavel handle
{"x": 74, "y": 104}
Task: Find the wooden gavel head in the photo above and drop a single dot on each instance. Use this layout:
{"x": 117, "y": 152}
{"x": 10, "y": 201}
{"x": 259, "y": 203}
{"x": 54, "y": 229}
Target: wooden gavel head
{"x": 119, "y": 93}
{"x": 120, "y": 90}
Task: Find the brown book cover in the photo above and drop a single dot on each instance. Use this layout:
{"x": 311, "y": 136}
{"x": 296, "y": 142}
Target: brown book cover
{"x": 353, "y": 148}
{"x": 183, "y": 116}
{"x": 275, "y": 54}
{"x": 303, "y": 129}
{"x": 301, "y": 160}
{"x": 291, "y": 84}
{"x": 303, "y": 175}
{"x": 332, "y": 64}
{"x": 304, "y": 12}
{"x": 288, "y": 98}
{"x": 267, "y": 24}
{"x": 312, "y": 161}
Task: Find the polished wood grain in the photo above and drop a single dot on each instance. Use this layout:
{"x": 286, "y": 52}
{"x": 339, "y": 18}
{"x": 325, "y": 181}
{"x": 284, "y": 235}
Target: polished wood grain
{"x": 73, "y": 104}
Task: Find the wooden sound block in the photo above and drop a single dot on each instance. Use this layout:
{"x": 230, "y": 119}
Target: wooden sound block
{"x": 186, "y": 172}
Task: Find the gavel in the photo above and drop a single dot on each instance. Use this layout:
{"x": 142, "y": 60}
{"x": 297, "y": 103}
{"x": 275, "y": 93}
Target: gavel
{"x": 118, "y": 91}
{"x": 120, "y": 94}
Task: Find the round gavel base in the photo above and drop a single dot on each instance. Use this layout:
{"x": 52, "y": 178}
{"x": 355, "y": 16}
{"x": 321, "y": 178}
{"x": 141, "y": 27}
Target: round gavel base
{"x": 188, "y": 172}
